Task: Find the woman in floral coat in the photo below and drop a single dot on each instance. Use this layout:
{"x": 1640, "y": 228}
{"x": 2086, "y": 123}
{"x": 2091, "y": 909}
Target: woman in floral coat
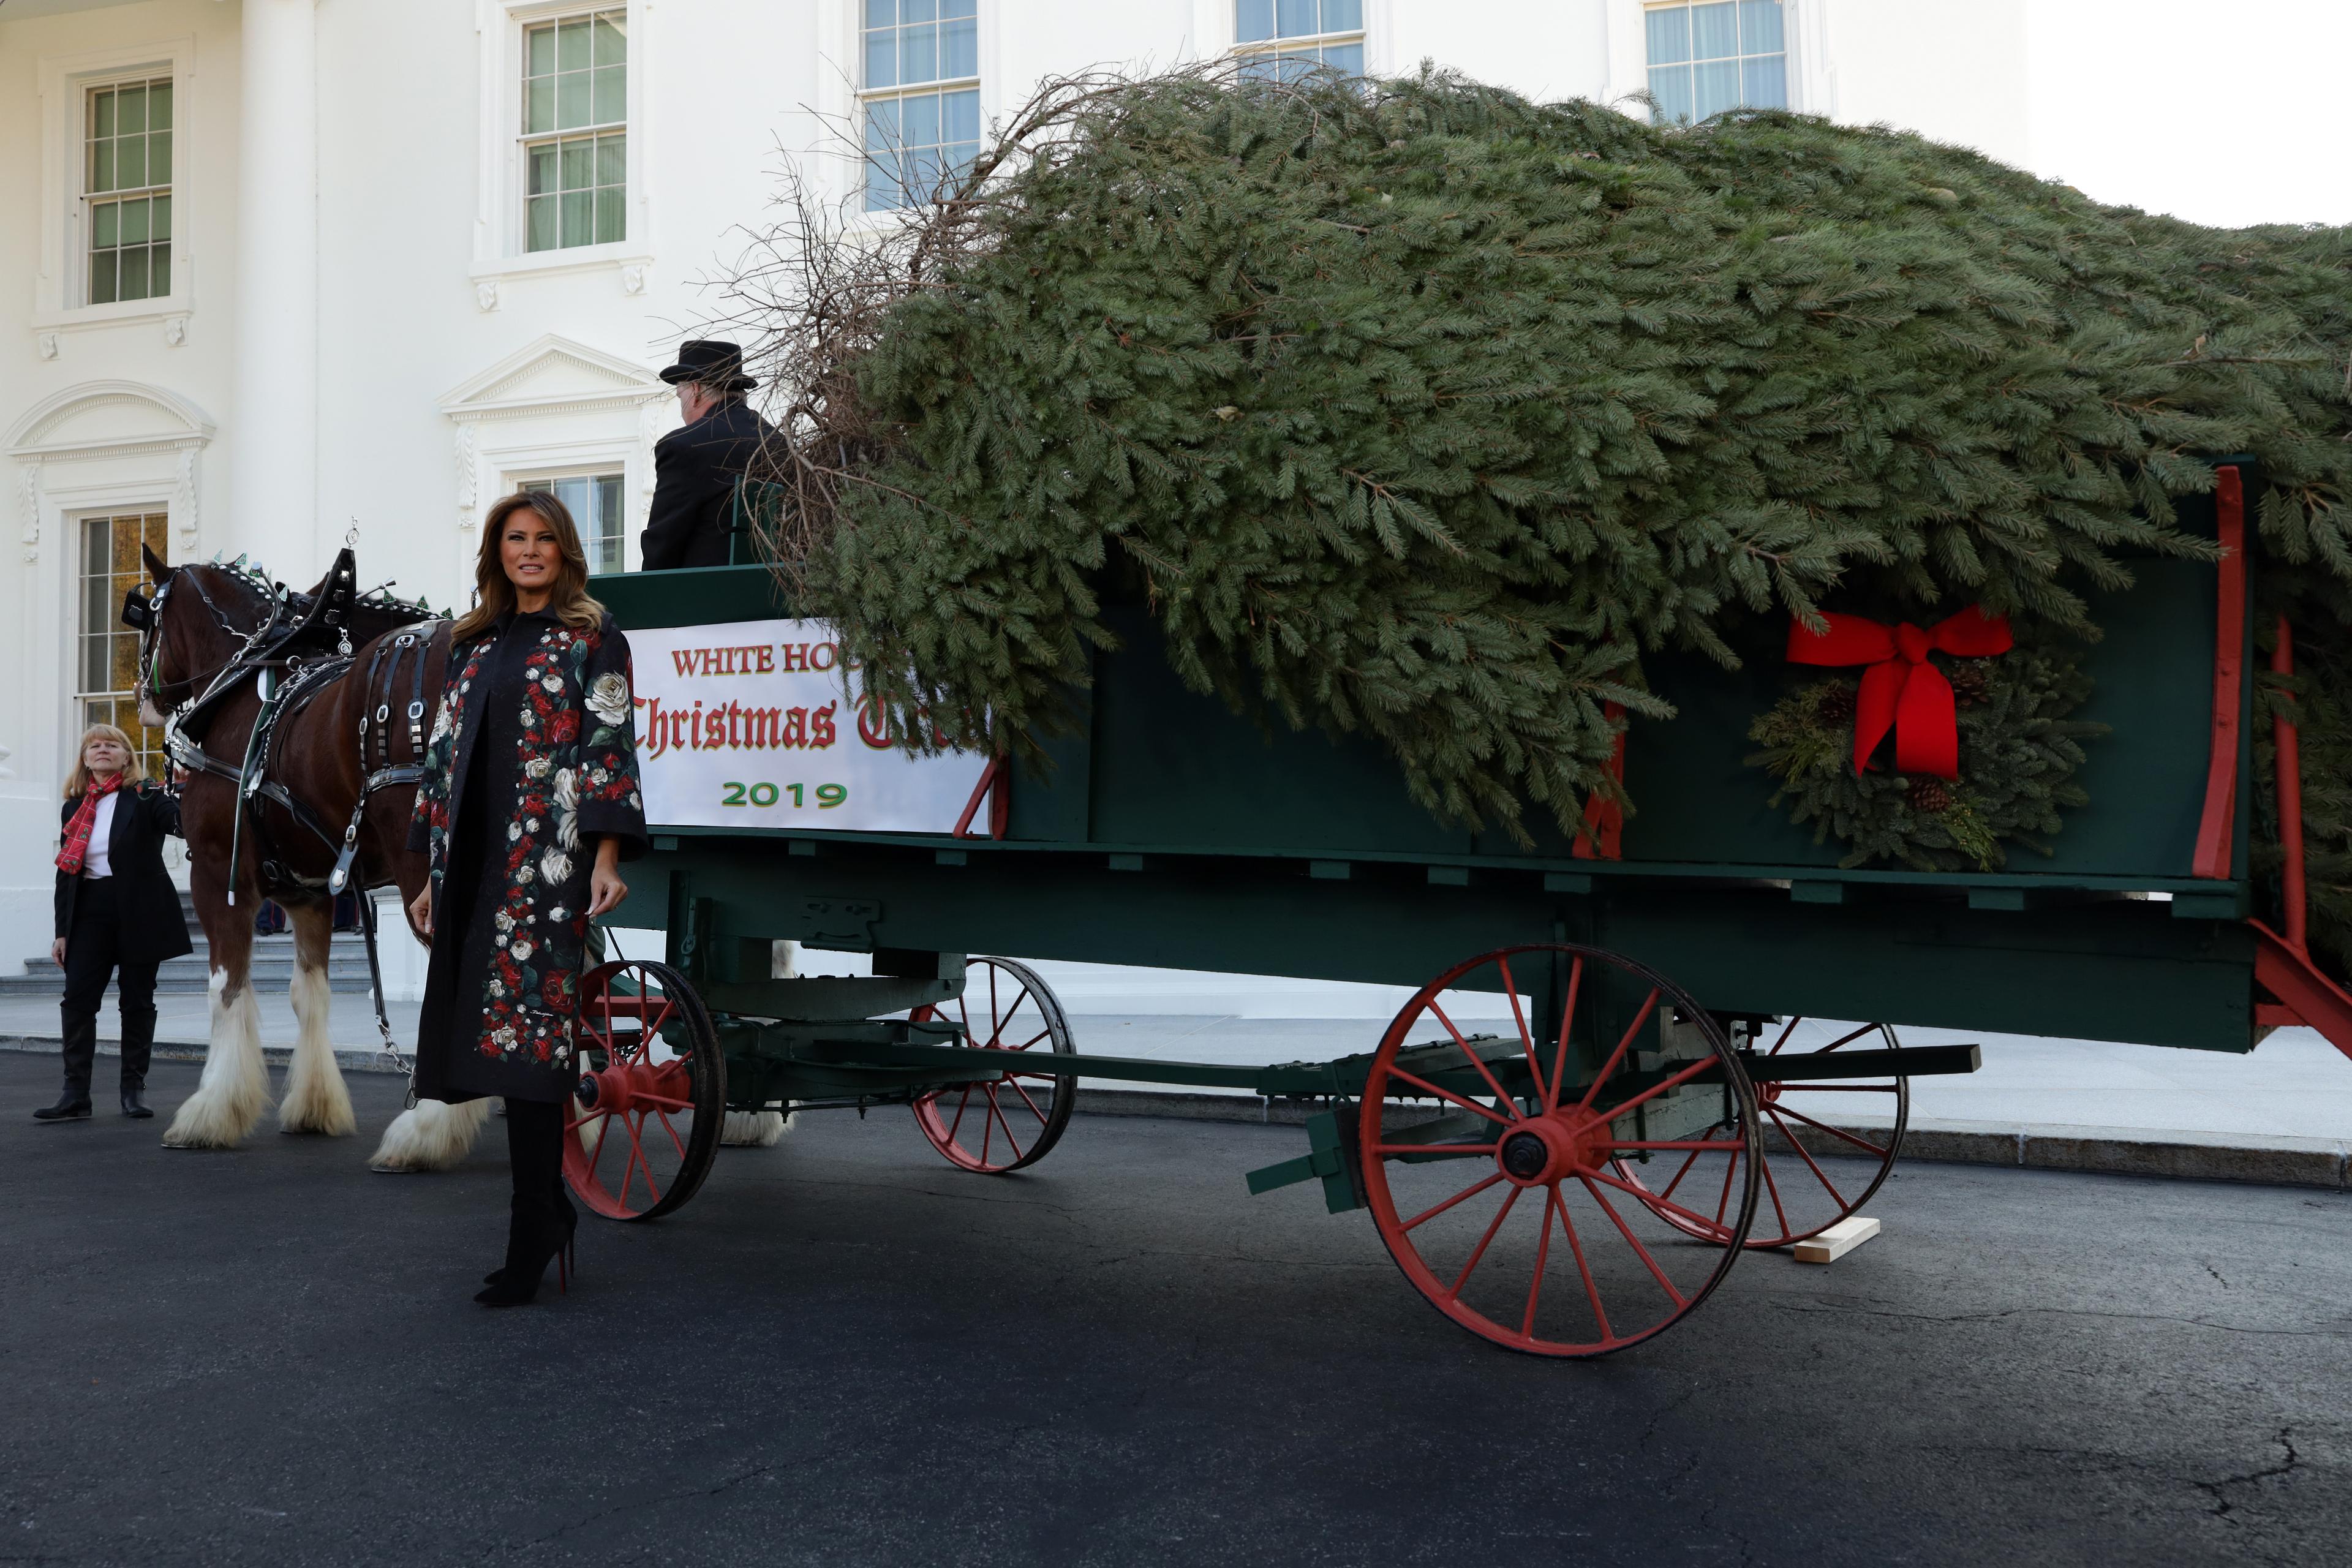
{"x": 529, "y": 802}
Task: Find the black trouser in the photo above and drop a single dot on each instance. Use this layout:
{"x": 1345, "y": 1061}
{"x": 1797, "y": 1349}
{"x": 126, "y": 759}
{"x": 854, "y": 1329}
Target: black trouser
{"x": 94, "y": 952}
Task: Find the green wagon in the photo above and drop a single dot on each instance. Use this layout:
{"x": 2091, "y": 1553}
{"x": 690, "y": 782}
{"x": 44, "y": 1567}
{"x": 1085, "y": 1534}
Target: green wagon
{"x": 1600, "y": 1094}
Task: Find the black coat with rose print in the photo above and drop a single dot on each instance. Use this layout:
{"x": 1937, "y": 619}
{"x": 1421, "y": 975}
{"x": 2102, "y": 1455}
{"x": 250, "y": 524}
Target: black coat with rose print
{"x": 533, "y": 758}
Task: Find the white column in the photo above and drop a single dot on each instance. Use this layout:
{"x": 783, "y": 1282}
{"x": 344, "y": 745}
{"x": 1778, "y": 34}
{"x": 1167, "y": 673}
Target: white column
{"x": 273, "y": 446}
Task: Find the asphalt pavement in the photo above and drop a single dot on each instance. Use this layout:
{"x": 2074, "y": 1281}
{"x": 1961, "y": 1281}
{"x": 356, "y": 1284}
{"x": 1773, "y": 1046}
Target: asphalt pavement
{"x": 843, "y": 1351}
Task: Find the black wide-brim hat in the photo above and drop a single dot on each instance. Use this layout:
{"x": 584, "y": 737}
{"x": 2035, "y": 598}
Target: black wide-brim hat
{"x": 709, "y": 362}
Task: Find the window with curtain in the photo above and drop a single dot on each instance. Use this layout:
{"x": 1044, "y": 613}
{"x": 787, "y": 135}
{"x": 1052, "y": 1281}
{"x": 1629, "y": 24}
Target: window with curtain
{"x": 127, "y": 191}
{"x": 1285, "y": 39}
{"x": 106, "y": 661}
{"x": 576, "y": 130}
{"x": 594, "y": 502}
{"x": 1705, "y": 58}
{"x": 919, "y": 96}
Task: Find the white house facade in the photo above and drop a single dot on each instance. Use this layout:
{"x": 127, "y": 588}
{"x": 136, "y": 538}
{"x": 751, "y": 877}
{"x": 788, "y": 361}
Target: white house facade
{"x": 273, "y": 270}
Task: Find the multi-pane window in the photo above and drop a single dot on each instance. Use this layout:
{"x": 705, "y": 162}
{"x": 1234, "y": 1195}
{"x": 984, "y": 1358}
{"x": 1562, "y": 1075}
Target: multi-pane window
{"x": 106, "y": 666}
{"x": 1703, "y": 60}
{"x": 127, "y": 190}
{"x": 575, "y": 136}
{"x": 917, "y": 140}
{"x": 594, "y": 502}
{"x": 1285, "y": 39}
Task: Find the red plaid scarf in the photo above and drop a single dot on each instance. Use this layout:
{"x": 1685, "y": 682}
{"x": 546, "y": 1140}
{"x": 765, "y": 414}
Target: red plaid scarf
{"x": 85, "y": 817}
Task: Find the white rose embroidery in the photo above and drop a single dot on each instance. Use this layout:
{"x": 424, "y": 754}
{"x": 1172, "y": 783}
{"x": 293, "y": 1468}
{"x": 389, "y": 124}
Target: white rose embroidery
{"x": 503, "y": 921}
{"x": 536, "y": 768}
{"x": 608, "y": 699}
{"x": 442, "y": 721}
{"x": 522, "y": 952}
{"x": 530, "y": 719}
{"x": 531, "y": 825}
{"x": 555, "y": 865}
{"x": 559, "y": 914}
{"x": 567, "y": 809}
{"x": 514, "y": 831}
{"x": 552, "y": 684}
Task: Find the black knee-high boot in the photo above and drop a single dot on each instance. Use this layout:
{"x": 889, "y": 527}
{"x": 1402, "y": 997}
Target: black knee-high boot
{"x": 541, "y": 1218}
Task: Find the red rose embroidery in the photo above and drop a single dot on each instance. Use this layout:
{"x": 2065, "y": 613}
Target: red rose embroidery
{"x": 563, "y": 728}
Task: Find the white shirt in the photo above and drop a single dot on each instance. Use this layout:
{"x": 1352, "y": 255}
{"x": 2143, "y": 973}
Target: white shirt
{"x": 93, "y": 858}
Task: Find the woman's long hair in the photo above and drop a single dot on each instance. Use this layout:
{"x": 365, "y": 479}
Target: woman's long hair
{"x": 568, "y": 601}
{"x": 77, "y": 781}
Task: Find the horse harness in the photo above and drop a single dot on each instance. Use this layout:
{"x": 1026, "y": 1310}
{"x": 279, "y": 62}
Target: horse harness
{"x": 273, "y": 656}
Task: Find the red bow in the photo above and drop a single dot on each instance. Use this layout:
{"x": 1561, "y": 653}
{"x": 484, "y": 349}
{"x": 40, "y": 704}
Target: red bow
{"x": 1901, "y": 691}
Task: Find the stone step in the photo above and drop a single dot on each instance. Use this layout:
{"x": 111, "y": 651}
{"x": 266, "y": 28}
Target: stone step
{"x": 272, "y": 969}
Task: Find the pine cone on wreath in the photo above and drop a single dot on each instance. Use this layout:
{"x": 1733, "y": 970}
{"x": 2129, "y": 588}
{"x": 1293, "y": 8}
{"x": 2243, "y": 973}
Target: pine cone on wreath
{"x": 1930, "y": 797}
{"x": 1971, "y": 680}
{"x": 1836, "y": 705}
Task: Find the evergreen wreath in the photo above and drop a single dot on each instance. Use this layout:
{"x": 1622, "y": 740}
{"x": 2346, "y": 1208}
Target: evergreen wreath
{"x": 2019, "y": 752}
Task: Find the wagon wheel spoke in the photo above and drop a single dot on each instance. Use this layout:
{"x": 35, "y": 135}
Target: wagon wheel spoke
{"x": 1876, "y": 1148}
{"x": 1688, "y": 1161}
{"x": 997, "y": 1108}
{"x": 1567, "y": 1015}
{"x": 1428, "y": 1087}
{"x": 1635, "y": 1242}
{"x": 1485, "y": 1241}
{"x": 1576, "y": 1249}
{"x": 675, "y": 1140}
{"x": 1469, "y": 1192}
{"x": 961, "y": 1104}
{"x": 1543, "y": 1250}
{"x": 1805, "y": 1155}
{"x": 1526, "y": 1038}
{"x": 1847, "y": 1039}
{"x": 1024, "y": 1093}
{"x": 1785, "y": 1033}
{"x": 1773, "y": 1188}
{"x": 1471, "y": 1051}
{"x": 1649, "y": 1004}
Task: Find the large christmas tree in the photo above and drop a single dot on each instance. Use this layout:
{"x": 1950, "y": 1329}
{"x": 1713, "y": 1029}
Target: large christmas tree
{"x": 1418, "y": 409}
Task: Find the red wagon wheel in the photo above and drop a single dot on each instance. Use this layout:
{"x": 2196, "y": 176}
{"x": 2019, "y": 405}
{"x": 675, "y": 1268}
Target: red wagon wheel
{"x": 1509, "y": 1213}
{"x": 645, "y": 1121}
{"x": 1002, "y": 1123}
{"x": 1801, "y": 1198}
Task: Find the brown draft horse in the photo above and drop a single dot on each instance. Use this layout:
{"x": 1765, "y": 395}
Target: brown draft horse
{"x": 201, "y": 662}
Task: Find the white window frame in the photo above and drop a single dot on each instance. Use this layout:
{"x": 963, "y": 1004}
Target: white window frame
{"x": 76, "y": 698}
{"x": 616, "y": 469}
{"x": 62, "y": 283}
{"x": 1216, "y": 24}
{"x": 1812, "y": 85}
{"x": 501, "y": 232}
{"x": 862, "y": 96}
{"x": 1298, "y": 43}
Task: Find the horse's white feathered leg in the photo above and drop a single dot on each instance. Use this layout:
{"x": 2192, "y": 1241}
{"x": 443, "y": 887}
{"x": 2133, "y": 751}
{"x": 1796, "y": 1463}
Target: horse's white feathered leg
{"x": 430, "y": 1136}
{"x": 316, "y": 1098}
{"x": 753, "y": 1129}
{"x": 235, "y": 1089}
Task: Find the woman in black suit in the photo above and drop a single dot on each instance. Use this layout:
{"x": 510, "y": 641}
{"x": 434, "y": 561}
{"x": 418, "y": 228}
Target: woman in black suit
{"x": 117, "y": 912}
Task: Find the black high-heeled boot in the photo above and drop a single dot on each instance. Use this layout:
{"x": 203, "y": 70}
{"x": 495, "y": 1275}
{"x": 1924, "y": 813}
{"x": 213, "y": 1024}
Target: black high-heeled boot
{"x": 535, "y": 1237}
{"x": 542, "y": 1220}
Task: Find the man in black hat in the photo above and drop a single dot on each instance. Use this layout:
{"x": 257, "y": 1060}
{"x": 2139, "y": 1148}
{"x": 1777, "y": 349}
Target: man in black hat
{"x": 695, "y": 468}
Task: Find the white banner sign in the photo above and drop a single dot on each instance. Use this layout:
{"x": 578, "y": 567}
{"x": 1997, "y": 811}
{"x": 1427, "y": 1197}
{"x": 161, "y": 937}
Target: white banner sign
{"x": 751, "y": 724}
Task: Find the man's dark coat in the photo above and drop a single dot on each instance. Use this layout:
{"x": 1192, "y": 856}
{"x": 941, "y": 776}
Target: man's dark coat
{"x": 146, "y": 905}
{"x": 694, "y": 471}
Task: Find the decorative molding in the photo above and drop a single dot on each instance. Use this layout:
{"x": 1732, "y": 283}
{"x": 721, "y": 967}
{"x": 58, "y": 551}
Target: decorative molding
{"x": 468, "y": 475}
{"x": 492, "y": 393}
{"x": 175, "y": 331}
{"x": 49, "y": 344}
{"x": 183, "y": 501}
{"x": 29, "y": 437}
{"x": 633, "y": 277}
{"x": 486, "y": 294}
{"x": 650, "y": 420}
{"x": 32, "y": 533}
